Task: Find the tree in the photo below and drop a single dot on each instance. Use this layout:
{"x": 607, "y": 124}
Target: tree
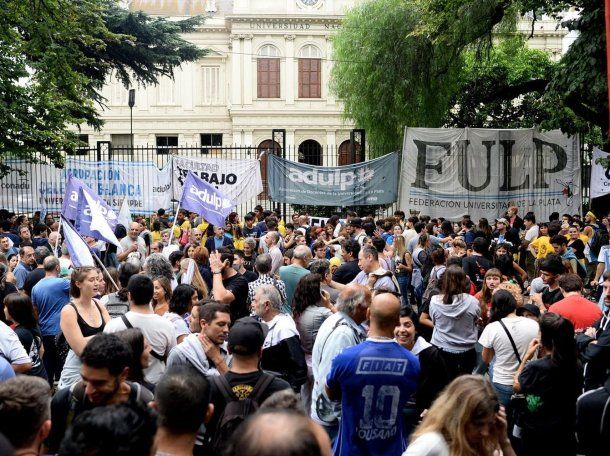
{"x": 55, "y": 57}
{"x": 467, "y": 38}
{"x": 386, "y": 76}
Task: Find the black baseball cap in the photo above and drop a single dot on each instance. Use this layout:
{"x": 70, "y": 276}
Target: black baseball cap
{"x": 247, "y": 335}
{"x": 530, "y": 308}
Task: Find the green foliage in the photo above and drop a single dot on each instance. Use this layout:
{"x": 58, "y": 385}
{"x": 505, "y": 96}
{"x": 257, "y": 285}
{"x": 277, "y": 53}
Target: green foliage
{"x": 386, "y": 75}
{"x": 461, "y": 64}
{"x": 503, "y": 90}
{"x": 56, "y": 55}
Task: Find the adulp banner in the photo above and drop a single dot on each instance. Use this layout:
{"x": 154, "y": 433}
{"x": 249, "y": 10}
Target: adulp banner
{"x": 367, "y": 183}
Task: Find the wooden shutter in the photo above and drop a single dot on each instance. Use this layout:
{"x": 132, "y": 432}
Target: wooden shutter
{"x": 268, "y": 78}
{"x": 309, "y": 78}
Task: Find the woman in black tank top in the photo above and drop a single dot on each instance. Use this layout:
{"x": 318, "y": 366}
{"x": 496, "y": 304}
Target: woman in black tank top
{"x": 81, "y": 319}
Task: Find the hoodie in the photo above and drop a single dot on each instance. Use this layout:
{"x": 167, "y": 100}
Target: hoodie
{"x": 455, "y": 324}
{"x": 190, "y": 353}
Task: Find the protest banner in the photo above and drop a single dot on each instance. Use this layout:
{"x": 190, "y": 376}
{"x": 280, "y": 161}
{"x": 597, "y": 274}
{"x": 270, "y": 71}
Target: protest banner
{"x": 239, "y": 180}
{"x": 600, "y": 174}
{"x": 371, "y": 182}
{"x": 43, "y": 186}
{"x": 482, "y": 172}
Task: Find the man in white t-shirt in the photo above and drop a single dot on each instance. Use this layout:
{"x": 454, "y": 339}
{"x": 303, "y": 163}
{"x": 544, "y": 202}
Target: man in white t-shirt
{"x": 133, "y": 243}
{"x": 12, "y": 350}
{"x": 158, "y": 331}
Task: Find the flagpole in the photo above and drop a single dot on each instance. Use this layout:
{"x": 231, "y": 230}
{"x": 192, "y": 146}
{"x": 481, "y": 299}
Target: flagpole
{"x": 57, "y": 240}
{"x": 105, "y": 270}
{"x": 171, "y": 233}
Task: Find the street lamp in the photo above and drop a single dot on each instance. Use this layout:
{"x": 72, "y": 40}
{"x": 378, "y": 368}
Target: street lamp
{"x": 132, "y": 102}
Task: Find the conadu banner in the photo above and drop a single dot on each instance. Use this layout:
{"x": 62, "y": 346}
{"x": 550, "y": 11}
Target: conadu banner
{"x": 482, "y": 172}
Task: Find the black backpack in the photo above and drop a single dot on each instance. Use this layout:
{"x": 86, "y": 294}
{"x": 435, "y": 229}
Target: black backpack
{"x": 599, "y": 239}
{"x": 236, "y": 410}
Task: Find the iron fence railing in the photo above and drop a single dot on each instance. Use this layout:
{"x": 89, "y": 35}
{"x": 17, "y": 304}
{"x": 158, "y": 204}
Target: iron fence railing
{"x": 160, "y": 155}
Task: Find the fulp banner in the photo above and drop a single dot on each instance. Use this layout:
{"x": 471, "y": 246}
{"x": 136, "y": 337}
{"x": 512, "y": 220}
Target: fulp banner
{"x": 482, "y": 172}
{"x": 600, "y": 175}
{"x": 367, "y": 183}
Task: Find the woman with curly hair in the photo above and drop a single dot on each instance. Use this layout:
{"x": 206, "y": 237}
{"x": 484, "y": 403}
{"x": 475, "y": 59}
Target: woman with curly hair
{"x": 465, "y": 420}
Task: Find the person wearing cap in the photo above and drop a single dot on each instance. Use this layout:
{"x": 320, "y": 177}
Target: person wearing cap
{"x": 358, "y": 231}
{"x": 550, "y": 269}
{"x": 529, "y": 311}
{"x": 504, "y": 234}
{"x": 207, "y": 351}
{"x": 245, "y": 344}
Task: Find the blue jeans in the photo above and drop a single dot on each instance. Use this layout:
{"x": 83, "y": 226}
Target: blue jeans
{"x": 504, "y": 392}
{"x": 404, "y": 280}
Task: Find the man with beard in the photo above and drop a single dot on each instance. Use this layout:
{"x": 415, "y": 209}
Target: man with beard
{"x": 207, "y": 351}
{"x": 104, "y": 372}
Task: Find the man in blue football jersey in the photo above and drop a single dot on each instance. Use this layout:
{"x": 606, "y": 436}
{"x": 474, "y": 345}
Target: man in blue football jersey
{"x": 374, "y": 380}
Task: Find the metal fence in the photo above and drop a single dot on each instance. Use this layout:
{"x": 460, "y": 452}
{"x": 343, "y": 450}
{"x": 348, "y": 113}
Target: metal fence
{"x": 313, "y": 154}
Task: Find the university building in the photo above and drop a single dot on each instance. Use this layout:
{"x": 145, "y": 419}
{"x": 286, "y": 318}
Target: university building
{"x": 268, "y": 67}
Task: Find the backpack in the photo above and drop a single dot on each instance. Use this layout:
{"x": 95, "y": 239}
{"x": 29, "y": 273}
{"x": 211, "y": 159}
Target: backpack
{"x": 433, "y": 282}
{"x": 236, "y": 410}
{"x": 599, "y": 239}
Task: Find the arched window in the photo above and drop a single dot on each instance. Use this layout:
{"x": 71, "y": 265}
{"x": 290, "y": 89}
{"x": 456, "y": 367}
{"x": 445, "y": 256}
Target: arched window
{"x": 268, "y": 72}
{"x": 310, "y": 51}
{"x": 310, "y": 152}
{"x": 310, "y": 72}
{"x": 268, "y": 50}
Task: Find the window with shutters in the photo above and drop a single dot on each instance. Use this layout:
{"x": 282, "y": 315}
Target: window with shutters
{"x": 211, "y": 85}
{"x": 310, "y": 72}
{"x": 268, "y": 72}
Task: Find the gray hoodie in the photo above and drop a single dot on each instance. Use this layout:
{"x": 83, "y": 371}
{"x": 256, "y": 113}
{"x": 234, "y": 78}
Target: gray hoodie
{"x": 190, "y": 353}
{"x": 455, "y": 324}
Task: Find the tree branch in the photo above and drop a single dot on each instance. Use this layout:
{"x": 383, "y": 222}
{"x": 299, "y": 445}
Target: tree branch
{"x": 513, "y": 91}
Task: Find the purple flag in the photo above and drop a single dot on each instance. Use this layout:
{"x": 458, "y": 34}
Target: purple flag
{"x": 202, "y": 198}
{"x": 91, "y": 222}
{"x": 73, "y": 204}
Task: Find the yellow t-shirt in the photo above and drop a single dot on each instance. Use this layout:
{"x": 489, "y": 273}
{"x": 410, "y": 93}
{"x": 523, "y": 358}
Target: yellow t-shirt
{"x": 156, "y": 235}
{"x": 186, "y": 225}
{"x": 203, "y": 226}
{"x": 239, "y": 244}
{"x": 543, "y": 246}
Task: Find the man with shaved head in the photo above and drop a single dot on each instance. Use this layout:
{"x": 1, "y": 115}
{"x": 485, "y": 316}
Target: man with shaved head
{"x": 271, "y": 432}
{"x": 374, "y": 380}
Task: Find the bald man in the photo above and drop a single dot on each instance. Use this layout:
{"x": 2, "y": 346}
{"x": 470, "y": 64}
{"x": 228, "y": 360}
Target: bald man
{"x": 374, "y": 380}
{"x": 133, "y": 243}
{"x": 273, "y": 431}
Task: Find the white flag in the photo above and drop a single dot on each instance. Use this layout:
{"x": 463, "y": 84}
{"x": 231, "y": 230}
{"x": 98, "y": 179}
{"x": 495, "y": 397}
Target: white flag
{"x": 125, "y": 214}
{"x": 79, "y": 251}
{"x": 99, "y": 222}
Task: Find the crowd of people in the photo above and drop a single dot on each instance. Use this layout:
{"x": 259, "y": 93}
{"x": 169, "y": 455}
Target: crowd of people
{"x": 364, "y": 336}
